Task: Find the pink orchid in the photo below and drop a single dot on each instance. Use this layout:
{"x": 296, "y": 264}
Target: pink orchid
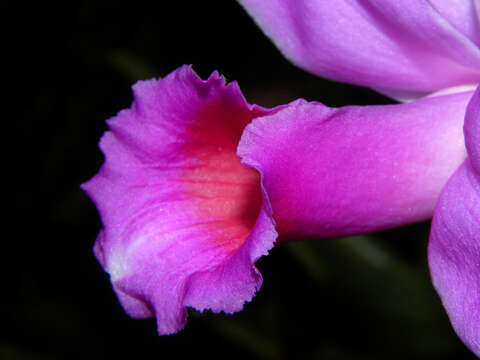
{"x": 406, "y": 50}
{"x": 185, "y": 218}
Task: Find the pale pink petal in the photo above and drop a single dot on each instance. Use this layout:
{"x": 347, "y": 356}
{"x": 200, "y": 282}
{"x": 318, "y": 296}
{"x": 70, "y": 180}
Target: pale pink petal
{"x": 402, "y": 48}
{"x": 184, "y": 221}
{"x": 454, "y": 253}
{"x": 331, "y": 172}
{"x": 461, "y": 14}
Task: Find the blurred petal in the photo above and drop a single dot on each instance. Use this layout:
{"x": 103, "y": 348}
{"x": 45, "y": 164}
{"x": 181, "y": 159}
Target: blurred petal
{"x": 332, "y": 172}
{"x": 183, "y": 220}
{"x": 404, "y": 49}
{"x": 454, "y": 253}
{"x": 472, "y": 131}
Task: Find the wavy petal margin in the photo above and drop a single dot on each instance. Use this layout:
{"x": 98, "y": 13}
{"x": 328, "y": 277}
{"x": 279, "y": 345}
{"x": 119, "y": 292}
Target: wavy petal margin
{"x": 396, "y": 47}
{"x": 184, "y": 221}
{"x": 454, "y": 246}
{"x": 357, "y": 169}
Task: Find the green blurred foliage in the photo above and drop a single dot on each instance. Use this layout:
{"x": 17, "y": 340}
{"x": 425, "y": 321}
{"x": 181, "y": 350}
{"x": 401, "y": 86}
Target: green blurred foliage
{"x": 366, "y": 297}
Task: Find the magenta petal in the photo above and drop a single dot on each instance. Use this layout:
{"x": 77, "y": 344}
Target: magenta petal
{"x": 402, "y": 48}
{"x": 454, "y": 254}
{"x": 184, "y": 221}
{"x": 331, "y": 172}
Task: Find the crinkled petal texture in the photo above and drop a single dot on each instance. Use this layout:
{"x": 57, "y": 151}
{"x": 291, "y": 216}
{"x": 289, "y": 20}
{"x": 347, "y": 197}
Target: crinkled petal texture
{"x": 183, "y": 220}
{"x": 454, "y": 247}
{"x": 333, "y": 172}
{"x": 404, "y": 49}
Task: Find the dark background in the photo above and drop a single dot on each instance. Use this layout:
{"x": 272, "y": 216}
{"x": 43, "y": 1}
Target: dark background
{"x": 72, "y": 66}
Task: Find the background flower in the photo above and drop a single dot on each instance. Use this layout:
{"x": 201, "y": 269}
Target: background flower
{"x": 404, "y": 50}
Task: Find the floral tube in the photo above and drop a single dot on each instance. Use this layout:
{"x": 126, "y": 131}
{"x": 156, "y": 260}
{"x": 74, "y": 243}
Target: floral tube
{"x": 331, "y": 172}
{"x": 454, "y": 246}
{"x": 184, "y": 221}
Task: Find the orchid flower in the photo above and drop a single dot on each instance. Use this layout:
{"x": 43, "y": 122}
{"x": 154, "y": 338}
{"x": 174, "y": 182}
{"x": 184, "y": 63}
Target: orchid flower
{"x": 197, "y": 184}
{"x": 405, "y": 50}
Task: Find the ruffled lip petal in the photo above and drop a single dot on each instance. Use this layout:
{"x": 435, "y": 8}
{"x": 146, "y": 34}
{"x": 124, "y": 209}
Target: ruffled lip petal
{"x": 397, "y": 47}
{"x": 454, "y": 254}
{"x": 184, "y": 221}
